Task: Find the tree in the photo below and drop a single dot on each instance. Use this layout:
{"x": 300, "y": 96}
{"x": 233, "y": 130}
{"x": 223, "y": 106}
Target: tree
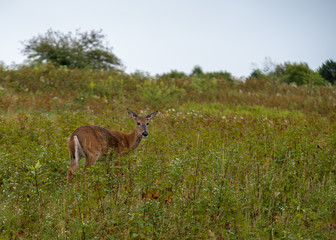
{"x": 197, "y": 71}
{"x": 298, "y": 73}
{"x": 81, "y": 50}
{"x": 328, "y": 71}
{"x": 257, "y": 74}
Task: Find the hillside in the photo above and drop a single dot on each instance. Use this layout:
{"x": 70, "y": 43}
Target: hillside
{"x": 224, "y": 159}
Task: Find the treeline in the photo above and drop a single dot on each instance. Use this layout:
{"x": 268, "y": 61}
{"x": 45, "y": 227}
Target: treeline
{"x": 299, "y": 73}
{"x": 89, "y": 50}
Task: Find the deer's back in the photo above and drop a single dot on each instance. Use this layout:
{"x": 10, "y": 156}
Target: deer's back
{"x": 93, "y": 139}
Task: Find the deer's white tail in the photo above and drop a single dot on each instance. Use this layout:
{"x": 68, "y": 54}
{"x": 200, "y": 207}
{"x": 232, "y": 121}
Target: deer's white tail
{"x": 78, "y": 150}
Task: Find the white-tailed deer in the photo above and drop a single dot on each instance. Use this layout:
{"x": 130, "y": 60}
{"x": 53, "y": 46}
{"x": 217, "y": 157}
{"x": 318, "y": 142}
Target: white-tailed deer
{"x": 93, "y": 142}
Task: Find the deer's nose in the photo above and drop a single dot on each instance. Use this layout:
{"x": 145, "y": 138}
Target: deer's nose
{"x": 145, "y": 134}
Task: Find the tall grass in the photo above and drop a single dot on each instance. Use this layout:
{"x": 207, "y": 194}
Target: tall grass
{"x": 230, "y": 161}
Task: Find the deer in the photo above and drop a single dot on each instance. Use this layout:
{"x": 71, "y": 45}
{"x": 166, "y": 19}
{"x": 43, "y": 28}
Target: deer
{"x": 93, "y": 142}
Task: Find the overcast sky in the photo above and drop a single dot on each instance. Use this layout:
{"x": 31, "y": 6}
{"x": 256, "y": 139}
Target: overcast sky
{"x": 158, "y": 36}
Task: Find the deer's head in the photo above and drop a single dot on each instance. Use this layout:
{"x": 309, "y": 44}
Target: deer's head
{"x": 141, "y": 123}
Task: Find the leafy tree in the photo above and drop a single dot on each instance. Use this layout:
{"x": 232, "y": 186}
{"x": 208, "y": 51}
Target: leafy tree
{"x": 257, "y": 73}
{"x": 328, "y": 71}
{"x": 79, "y": 50}
{"x": 197, "y": 71}
{"x": 298, "y": 73}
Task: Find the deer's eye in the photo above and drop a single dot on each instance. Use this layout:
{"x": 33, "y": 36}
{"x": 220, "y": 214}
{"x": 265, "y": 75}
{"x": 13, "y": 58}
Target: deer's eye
{"x": 138, "y": 123}
{"x": 147, "y": 124}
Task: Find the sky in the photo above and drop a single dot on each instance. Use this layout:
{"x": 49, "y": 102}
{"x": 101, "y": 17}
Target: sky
{"x": 156, "y": 36}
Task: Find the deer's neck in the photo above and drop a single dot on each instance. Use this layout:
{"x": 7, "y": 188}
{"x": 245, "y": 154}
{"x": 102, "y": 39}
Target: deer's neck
{"x": 134, "y": 140}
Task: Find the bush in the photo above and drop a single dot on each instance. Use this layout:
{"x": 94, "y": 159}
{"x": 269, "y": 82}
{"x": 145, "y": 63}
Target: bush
{"x": 173, "y": 75}
{"x": 257, "y": 73}
{"x": 84, "y": 50}
{"x": 219, "y": 75}
{"x": 328, "y": 71}
{"x": 158, "y": 93}
{"x": 299, "y": 73}
{"x": 197, "y": 71}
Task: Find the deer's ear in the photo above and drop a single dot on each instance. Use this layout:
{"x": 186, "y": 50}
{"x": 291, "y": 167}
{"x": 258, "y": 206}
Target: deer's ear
{"x": 132, "y": 114}
{"x": 151, "y": 116}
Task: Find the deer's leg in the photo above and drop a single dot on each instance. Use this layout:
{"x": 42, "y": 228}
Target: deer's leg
{"x": 91, "y": 159}
{"x": 73, "y": 165}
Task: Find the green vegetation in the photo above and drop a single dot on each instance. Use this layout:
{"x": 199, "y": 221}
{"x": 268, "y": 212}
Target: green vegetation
{"x": 297, "y": 73}
{"x": 81, "y": 50}
{"x": 300, "y": 74}
{"x": 224, "y": 159}
{"x": 328, "y": 71}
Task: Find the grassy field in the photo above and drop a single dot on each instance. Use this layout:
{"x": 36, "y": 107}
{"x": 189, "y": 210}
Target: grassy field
{"x": 223, "y": 160}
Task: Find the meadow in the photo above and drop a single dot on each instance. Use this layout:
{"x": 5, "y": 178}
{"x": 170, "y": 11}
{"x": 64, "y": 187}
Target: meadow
{"x": 224, "y": 159}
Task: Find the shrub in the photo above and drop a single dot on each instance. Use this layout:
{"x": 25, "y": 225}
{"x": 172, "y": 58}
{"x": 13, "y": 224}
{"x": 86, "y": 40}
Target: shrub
{"x": 173, "y": 74}
{"x": 328, "y": 71}
{"x": 197, "y": 71}
{"x": 299, "y": 73}
{"x": 158, "y": 93}
{"x": 219, "y": 75}
{"x": 257, "y": 73}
